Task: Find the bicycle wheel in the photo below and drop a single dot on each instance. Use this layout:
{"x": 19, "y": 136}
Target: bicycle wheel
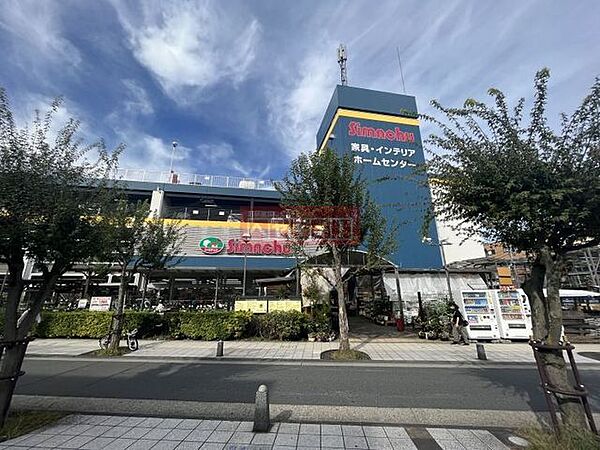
{"x": 104, "y": 342}
{"x": 132, "y": 343}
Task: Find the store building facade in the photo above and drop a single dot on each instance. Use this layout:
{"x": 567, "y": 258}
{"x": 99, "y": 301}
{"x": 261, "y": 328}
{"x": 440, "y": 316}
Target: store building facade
{"x": 235, "y": 231}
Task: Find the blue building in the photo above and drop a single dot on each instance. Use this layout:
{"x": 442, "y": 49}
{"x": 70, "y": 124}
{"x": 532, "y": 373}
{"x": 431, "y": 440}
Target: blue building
{"x": 380, "y": 130}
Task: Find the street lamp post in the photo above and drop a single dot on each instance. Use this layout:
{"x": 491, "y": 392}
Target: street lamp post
{"x": 175, "y": 144}
{"x": 440, "y": 244}
{"x": 246, "y": 238}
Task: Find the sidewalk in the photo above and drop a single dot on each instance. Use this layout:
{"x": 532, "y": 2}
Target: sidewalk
{"x": 122, "y": 432}
{"x": 262, "y": 350}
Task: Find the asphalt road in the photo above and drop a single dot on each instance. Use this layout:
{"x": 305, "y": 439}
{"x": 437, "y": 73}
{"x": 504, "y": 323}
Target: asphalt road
{"x": 482, "y": 388}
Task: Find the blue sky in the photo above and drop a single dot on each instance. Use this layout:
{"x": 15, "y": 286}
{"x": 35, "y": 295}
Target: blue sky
{"x": 242, "y": 85}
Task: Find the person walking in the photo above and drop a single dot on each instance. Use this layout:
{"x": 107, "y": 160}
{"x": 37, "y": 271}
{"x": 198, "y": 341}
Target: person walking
{"x": 459, "y": 331}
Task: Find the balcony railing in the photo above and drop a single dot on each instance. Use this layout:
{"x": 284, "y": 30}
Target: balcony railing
{"x": 193, "y": 179}
{"x": 223, "y": 214}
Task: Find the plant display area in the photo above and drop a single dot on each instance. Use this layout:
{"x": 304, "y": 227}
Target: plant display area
{"x": 434, "y": 320}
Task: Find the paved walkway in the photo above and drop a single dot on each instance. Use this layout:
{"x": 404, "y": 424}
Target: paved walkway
{"x": 121, "y": 432}
{"x": 380, "y": 351}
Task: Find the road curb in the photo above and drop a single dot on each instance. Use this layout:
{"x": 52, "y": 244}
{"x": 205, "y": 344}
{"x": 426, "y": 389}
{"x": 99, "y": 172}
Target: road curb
{"x": 488, "y": 364}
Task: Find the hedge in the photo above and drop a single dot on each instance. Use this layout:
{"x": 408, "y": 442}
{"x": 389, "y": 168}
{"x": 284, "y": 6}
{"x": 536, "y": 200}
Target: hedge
{"x": 209, "y": 325}
{"x": 282, "y": 325}
{"x": 213, "y": 325}
{"x": 86, "y": 324}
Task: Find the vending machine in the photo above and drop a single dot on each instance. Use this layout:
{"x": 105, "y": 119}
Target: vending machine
{"x": 513, "y": 314}
{"x": 478, "y": 307}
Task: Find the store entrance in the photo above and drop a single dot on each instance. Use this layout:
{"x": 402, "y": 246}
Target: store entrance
{"x": 365, "y": 329}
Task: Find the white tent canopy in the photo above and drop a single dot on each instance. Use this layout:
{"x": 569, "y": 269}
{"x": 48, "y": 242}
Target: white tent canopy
{"x": 430, "y": 285}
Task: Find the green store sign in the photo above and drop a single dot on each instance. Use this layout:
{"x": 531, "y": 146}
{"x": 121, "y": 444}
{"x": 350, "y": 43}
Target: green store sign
{"x": 211, "y": 245}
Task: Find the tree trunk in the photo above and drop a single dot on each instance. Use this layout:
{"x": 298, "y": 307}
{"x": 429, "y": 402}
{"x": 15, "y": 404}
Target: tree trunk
{"x": 86, "y": 287}
{"x": 10, "y": 365}
{"x": 546, "y": 316}
{"x": 339, "y": 286}
{"x": 12, "y": 358}
{"x": 116, "y": 328}
{"x": 145, "y": 288}
{"x": 14, "y": 291}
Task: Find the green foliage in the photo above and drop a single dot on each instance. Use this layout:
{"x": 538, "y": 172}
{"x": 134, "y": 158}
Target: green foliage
{"x": 213, "y": 325}
{"x": 125, "y": 224}
{"x": 328, "y": 204}
{"x": 94, "y": 324}
{"x": 569, "y": 439}
{"x": 323, "y": 185}
{"x": 282, "y": 325}
{"x": 77, "y": 324}
{"x": 51, "y": 189}
{"x": 19, "y": 423}
{"x": 319, "y": 322}
{"x": 210, "y": 325}
{"x": 138, "y": 242}
{"x": 160, "y": 242}
{"x": 312, "y": 292}
{"x": 148, "y": 324}
{"x": 439, "y": 316}
{"x": 517, "y": 181}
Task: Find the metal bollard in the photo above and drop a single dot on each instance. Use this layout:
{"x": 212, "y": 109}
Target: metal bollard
{"x": 219, "y": 348}
{"x": 262, "y": 418}
{"x": 481, "y": 352}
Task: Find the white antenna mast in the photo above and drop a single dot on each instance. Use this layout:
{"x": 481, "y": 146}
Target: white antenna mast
{"x": 342, "y": 58}
{"x": 401, "y": 72}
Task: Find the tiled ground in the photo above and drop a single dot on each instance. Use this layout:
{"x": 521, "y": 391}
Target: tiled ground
{"x": 382, "y": 351}
{"x": 119, "y": 432}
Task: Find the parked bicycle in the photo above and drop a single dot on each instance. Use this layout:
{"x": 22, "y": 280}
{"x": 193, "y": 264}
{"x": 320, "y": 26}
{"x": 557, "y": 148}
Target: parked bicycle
{"x": 130, "y": 336}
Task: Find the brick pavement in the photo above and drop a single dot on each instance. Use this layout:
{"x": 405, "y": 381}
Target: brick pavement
{"x": 122, "y": 432}
{"x": 269, "y": 350}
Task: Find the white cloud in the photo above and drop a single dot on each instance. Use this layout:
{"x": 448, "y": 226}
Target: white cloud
{"x": 296, "y": 107}
{"x": 146, "y": 152}
{"x": 29, "y": 102}
{"x": 222, "y": 156}
{"x": 190, "y": 46}
{"x": 38, "y": 25}
{"x": 138, "y": 101}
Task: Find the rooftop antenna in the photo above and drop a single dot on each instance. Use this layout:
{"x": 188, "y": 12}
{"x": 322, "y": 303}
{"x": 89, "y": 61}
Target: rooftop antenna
{"x": 342, "y": 58}
{"x": 401, "y": 72}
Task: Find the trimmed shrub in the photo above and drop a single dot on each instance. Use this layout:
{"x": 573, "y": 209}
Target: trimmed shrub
{"x": 75, "y": 324}
{"x": 149, "y": 324}
{"x": 209, "y": 325}
{"x": 95, "y": 324}
{"x": 319, "y": 322}
{"x": 281, "y": 325}
{"x": 212, "y": 325}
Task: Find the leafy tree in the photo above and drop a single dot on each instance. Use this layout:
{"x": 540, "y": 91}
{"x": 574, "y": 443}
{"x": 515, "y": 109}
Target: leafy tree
{"x": 137, "y": 241}
{"x": 518, "y": 182}
{"x": 330, "y": 210}
{"x": 160, "y": 247}
{"x": 50, "y": 194}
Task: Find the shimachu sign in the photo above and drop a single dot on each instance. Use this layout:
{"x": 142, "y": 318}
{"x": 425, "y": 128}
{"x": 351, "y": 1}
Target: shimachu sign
{"x": 214, "y": 246}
